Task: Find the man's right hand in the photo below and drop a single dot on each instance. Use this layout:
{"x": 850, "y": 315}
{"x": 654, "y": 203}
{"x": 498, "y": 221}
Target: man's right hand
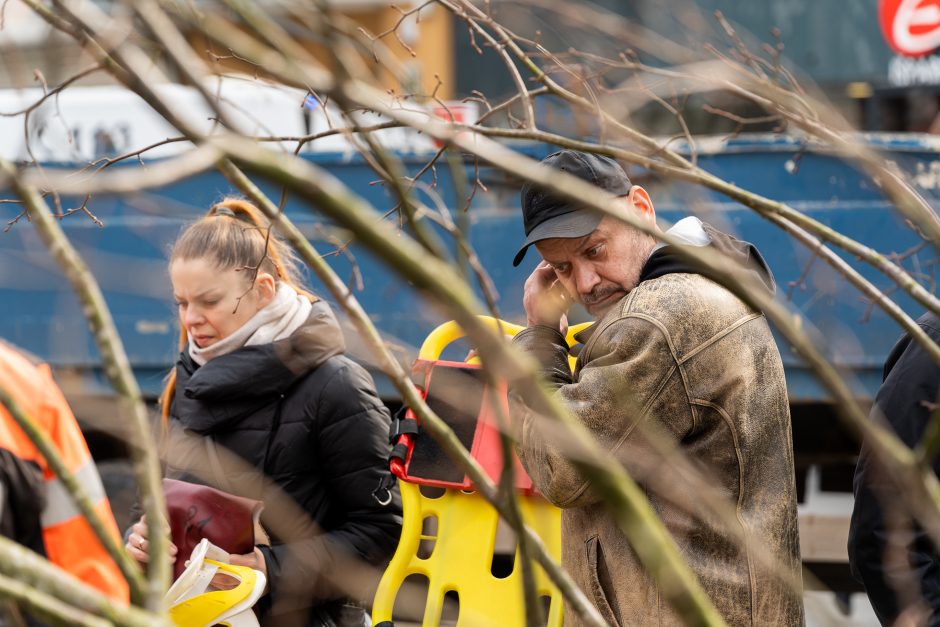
{"x": 545, "y": 300}
{"x": 139, "y": 547}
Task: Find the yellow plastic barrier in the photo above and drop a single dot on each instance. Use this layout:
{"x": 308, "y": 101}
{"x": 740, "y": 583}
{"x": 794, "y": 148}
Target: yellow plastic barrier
{"x": 462, "y": 539}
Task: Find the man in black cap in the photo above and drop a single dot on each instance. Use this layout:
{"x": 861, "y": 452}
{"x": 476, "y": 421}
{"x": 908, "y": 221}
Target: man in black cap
{"x": 681, "y": 382}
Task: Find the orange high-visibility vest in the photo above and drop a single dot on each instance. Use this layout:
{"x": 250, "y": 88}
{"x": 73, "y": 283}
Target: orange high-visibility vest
{"x": 69, "y": 541}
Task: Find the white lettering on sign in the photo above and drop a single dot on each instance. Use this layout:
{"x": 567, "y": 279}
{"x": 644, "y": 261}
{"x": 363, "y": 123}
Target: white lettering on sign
{"x": 904, "y": 72}
{"x": 147, "y": 327}
{"x": 928, "y": 176}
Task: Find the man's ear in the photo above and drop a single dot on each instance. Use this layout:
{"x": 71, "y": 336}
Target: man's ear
{"x": 643, "y": 203}
{"x": 267, "y": 288}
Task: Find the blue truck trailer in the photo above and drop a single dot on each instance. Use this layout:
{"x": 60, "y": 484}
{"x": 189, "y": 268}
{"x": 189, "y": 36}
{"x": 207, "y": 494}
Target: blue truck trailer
{"x": 39, "y": 312}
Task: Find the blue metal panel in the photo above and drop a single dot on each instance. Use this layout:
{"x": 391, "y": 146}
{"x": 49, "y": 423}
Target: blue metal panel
{"x": 39, "y": 312}
{"x": 856, "y": 336}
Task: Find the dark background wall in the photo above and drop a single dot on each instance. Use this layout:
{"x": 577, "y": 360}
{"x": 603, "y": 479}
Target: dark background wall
{"x": 835, "y": 45}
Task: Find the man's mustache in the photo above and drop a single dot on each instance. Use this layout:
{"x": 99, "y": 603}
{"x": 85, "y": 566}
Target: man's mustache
{"x": 598, "y": 294}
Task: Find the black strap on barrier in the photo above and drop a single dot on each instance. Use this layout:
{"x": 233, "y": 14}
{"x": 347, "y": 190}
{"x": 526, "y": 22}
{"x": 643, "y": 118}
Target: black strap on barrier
{"x": 399, "y": 451}
{"x": 400, "y": 425}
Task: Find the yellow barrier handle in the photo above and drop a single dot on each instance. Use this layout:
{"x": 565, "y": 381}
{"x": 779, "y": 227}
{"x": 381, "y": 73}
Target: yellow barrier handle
{"x": 449, "y": 332}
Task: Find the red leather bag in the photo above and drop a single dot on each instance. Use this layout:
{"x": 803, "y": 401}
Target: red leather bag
{"x": 198, "y": 511}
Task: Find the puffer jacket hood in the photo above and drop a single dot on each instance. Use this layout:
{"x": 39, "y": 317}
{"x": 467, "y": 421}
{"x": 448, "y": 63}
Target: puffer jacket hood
{"x": 270, "y": 368}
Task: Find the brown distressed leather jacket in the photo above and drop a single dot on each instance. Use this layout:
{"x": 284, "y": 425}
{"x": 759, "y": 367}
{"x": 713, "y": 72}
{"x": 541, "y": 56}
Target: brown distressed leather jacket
{"x": 683, "y": 383}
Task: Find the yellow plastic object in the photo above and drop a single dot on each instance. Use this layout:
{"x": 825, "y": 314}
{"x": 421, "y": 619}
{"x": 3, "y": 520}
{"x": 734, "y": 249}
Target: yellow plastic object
{"x": 207, "y": 608}
{"x": 462, "y": 547}
{"x": 439, "y": 338}
{"x": 461, "y": 558}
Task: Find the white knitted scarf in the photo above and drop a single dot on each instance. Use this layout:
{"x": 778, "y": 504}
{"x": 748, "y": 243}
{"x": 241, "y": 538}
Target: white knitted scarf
{"x": 276, "y": 321}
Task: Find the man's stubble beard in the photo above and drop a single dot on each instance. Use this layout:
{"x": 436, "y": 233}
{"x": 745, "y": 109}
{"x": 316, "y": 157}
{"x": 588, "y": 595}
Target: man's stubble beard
{"x": 641, "y": 247}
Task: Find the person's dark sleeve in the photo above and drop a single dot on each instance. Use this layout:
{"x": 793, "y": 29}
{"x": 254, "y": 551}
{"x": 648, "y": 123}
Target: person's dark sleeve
{"x": 905, "y": 401}
{"x": 22, "y": 500}
{"x": 353, "y": 446}
{"x": 619, "y": 385}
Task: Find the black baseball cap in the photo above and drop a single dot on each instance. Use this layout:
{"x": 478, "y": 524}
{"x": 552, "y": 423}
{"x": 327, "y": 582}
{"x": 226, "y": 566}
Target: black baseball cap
{"x": 545, "y": 216}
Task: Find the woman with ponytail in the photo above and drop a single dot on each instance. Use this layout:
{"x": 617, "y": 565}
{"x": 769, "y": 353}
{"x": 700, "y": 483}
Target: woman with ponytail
{"x": 262, "y": 378}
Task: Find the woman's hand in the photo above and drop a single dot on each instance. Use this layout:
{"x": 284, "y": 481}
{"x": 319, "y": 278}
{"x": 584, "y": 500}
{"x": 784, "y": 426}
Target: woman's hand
{"x": 139, "y": 547}
{"x": 255, "y": 560}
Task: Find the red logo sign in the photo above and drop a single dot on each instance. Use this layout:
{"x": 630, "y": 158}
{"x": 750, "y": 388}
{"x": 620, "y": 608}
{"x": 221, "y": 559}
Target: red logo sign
{"x": 457, "y": 112}
{"x": 912, "y": 27}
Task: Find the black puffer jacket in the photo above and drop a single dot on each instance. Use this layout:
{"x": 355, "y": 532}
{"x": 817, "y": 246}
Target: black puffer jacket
{"x": 905, "y": 401}
{"x": 310, "y": 419}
